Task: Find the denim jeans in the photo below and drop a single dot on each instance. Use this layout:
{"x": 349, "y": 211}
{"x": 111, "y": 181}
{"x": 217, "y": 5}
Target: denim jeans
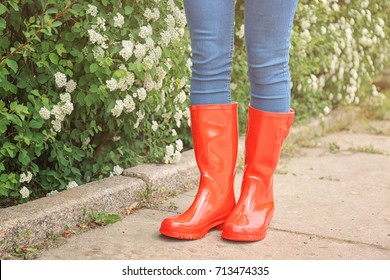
{"x": 268, "y": 26}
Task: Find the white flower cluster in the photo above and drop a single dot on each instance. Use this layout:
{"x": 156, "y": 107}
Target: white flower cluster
{"x": 152, "y": 15}
{"x": 52, "y": 193}
{"x": 119, "y": 20}
{"x": 348, "y": 62}
{"x": 124, "y": 83}
{"x": 71, "y": 185}
{"x": 44, "y": 113}
{"x": 92, "y": 10}
{"x": 24, "y": 192}
{"x": 146, "y": 31}
{"x": 173, "y": 155}
{"x": 64, "y": 106}
{"x": 180, "y": 98}
{"x": 117, "y": 170}
{"x": 25, "y": 177}
{"x": 126, "y": 104}
{"x": 154, "y": 125}
{"x": 97, "y": 38}
{"x": 127, "y": 49}
{"x": 241, "y": 32}
{"x": 140, "y": 117}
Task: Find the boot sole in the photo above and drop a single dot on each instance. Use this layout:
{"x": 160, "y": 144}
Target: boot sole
{"x": 192, "y": 236}
{"x": 248, "y": 237}
{"x": 245, "y": 237}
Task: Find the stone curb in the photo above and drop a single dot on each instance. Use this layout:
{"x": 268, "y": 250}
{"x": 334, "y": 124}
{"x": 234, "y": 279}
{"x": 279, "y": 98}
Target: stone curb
{"x": 29, "y": 224}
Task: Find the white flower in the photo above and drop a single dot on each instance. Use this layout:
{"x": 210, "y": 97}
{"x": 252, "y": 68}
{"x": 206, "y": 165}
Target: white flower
{"x": 98, "y": 52}
{"x": 44, "y": 113}
{"x": 141, "y": 92}
{"x": 56, "y": 125}
{"x": 112, "y": 84}
{"x": 323, "y": 30}
{"x": 60, "y": 79}
{"x": 92, "y": 10}
{"x": 148, "y": 82}
{"x": 71, "y": 185}
{"x": 154, "y": 125}
{"x": 127, "y": 50}
{"x": 67, "y": 108}
{"x": 165, "y": 38}
{"x": 25, "y": 177}
{"x": 128, "y": 103}
{"x": 170, "y": 20}
{"x": 117, "y": 110}
{"x": 179, "y": 145}
{"x": 305, "y": 24}
{"x": 70, "y": 86}
{"x": 326, "y": 110}
{"x": 52, "y": 193}
{"x": 140, "y": 51}
{"x": 180, "y": 98}
{"x": 101, "y": 23}
{"x": 241, "y": 32}
{"x": 146, "y": 31}
{"x": 97, "y": 38}
{"x": 178, "y": 115}
{"x": 174, "y": 133}
{"x": 65, "y": 97}
{"x": 117, "y": 170}
{"x": 119, "y": 20}
{"x": 25, "y": 193}
{"x": 176, "y": 157}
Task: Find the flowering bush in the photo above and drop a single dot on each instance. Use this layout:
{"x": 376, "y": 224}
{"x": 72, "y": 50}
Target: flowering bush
{"x": 86, "y": 89}
{"x": 337, "y": 48}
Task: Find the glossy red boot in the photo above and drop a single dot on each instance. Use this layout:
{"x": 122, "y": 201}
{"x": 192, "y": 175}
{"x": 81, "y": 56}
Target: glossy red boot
{"x": 266, "y": 133}
{"x": 215, "y": 134}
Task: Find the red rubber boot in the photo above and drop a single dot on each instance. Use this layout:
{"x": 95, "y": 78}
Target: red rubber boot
{"x": 266, "y": 133}
{"x": 215, "y": 134}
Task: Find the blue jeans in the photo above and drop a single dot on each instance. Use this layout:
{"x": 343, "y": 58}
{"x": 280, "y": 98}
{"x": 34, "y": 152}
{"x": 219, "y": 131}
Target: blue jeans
{"x": 268, "y": 26}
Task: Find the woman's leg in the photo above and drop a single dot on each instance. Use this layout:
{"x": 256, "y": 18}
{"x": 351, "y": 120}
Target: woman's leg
{"x": 214, "y": 122}
{"x": 211, "y": 26}
{"x": 267, "y": 28}
{"x": 267, "y": 32}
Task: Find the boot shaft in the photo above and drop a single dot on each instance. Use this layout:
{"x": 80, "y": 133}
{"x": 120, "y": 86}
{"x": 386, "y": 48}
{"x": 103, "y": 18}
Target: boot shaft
{"x": 266, "y": 133}
{"x": 215, "y": 135}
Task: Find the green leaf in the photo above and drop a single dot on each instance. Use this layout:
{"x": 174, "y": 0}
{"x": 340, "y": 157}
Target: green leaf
{"x": 53, "y": 58}
{"x": 60, "y": 49}
{"x": 3, "y": 190}
{"x": 93, "y": 67}
{"x": 3, "y": 24}
{"x": 3, "y": 9}
{"x": 52, "y": 11}
{"x": 89, "y": 99}
{"x": 13, "y": 5}
{"x": 36, "y": 123}
{"x": 128, "y": 10}
{"x": 45, "y": 46}
{"x": 24, "y": 158}
{"x": 3, "y": 126}
{"x": 8, "y": 149}
{"x": 12, "y": 64}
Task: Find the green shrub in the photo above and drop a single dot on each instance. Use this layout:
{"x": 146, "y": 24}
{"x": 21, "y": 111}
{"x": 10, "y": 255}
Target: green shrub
{"x": 337, "y": 48}
{"x": 86, "y": 89}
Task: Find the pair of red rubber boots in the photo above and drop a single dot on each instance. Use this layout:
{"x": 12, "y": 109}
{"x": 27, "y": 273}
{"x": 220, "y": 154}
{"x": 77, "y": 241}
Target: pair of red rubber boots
{"x": 215, "y": 136}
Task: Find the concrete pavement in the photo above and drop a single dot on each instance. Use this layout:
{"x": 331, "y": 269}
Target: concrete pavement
{"x": 332, "y": 202}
